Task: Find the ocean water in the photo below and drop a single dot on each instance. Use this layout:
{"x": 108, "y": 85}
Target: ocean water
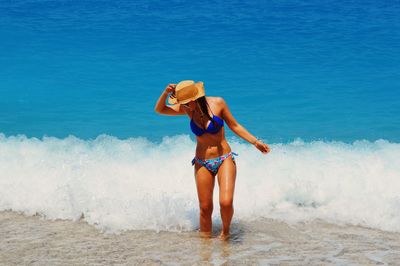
{"x": 317, "y": 80}
{"x": 315, "y": 70}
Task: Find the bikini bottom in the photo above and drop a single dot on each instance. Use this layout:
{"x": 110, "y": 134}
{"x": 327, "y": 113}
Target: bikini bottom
{"x": 214, "y": 163}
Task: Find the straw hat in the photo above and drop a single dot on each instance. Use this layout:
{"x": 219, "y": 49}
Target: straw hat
{"x": 186, "y": 91}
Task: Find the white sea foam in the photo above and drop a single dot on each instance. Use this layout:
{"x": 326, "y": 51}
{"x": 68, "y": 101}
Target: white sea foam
{"x": 136, "y": 184}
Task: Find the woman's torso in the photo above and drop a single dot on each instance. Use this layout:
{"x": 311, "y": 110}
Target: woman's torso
{"x": 210, "y": 145}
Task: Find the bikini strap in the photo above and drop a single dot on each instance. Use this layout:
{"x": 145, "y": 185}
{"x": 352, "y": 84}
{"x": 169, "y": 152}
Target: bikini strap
{"x": 209, "y": 108}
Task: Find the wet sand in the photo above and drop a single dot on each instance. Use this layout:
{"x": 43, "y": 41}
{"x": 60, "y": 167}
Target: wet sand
{"x": 34, "y": 240}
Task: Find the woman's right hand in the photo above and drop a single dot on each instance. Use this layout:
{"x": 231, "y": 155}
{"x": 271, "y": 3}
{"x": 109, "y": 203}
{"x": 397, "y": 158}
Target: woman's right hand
{"x": 170, "y": 88}
{"x": 264, "y": 148}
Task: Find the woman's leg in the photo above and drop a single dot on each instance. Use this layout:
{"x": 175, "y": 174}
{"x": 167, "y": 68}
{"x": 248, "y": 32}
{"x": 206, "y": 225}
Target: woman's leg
{"x": 226, "y": 182}
{"x": 205, "y": 187}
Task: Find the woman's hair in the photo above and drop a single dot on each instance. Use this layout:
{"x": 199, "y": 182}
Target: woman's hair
{"x": 203, "y": 107}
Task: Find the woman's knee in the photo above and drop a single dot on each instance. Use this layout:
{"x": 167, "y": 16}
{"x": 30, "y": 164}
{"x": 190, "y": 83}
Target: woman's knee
{"x": 226, "y": 203}
{"x": 206, "y": 208}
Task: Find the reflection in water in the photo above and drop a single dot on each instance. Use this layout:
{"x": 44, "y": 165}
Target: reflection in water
{"x": 213, "y": 249}
{"x": 205, "y": 249}
{"x": 226, "y": 248}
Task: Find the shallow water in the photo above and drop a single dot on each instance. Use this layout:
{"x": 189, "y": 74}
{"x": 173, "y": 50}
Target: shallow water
{"x": 36, "y": 241}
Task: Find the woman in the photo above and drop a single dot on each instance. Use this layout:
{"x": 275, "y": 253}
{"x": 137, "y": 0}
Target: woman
{"x": 213, "y": 153}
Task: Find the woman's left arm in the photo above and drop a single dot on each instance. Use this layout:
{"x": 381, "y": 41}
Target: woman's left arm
{"x": 240, "y": 130}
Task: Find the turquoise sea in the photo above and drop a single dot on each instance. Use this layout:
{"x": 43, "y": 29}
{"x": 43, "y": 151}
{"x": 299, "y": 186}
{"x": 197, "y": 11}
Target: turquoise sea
{"x": 315, "y": 70}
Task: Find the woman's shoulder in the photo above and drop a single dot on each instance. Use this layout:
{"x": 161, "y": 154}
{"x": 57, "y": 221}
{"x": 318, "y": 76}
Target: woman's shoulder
{"x": 215, "y": 100}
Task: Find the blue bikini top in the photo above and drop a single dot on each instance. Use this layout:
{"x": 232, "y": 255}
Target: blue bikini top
{"x": 210, "y": 129}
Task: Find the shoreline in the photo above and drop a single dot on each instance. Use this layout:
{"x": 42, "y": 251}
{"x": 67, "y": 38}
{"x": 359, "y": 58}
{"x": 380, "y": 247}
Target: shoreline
{"x": 36, "y": 241}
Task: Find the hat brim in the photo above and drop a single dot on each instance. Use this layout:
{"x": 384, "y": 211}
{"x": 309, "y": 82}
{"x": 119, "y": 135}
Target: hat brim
{"x": 200, "y": 92}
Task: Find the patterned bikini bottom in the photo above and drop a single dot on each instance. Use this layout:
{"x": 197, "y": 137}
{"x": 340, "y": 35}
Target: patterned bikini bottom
{"x": 214, "y": 163}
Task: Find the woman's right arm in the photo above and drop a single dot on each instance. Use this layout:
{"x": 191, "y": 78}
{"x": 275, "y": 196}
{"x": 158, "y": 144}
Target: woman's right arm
{"x": 164, "y": 109}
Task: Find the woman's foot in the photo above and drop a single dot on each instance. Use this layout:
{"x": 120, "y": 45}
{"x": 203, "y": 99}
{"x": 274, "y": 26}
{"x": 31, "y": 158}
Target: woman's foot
{"x": 205, "y": 234}
{"x": 224, "y": 236}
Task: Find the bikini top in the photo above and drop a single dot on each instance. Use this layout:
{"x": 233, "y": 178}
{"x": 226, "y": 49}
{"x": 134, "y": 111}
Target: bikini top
{"x": 210, "y": 129}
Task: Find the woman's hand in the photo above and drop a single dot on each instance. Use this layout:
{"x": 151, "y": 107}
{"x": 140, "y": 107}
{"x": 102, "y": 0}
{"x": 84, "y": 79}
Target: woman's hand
{"x": 170, "y": 88}
{"x": 160, "y": 106}
{"x": 264, "y": 148}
